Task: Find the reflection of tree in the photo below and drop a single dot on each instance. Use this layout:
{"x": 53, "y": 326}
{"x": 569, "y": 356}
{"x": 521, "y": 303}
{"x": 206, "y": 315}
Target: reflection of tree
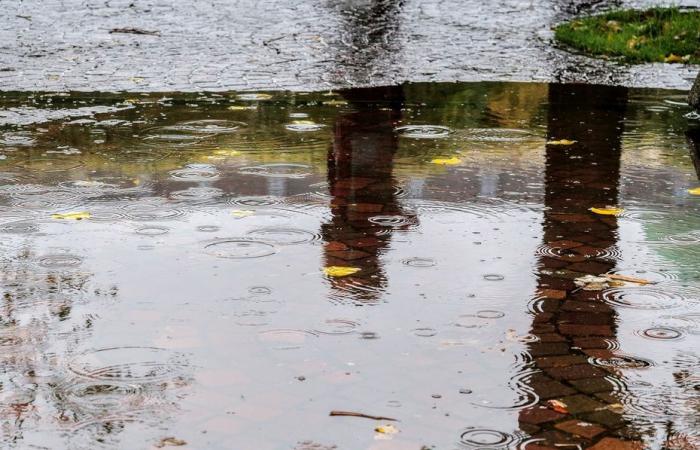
{"x": 693, "y": 137}
{"x": 575, "y": 327}
{"x": 37, "y": 325}
{"x": 364, "y": 206}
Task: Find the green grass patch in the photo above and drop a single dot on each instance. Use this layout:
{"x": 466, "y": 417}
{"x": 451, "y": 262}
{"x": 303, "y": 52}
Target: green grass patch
{"x": 657, "y": 34}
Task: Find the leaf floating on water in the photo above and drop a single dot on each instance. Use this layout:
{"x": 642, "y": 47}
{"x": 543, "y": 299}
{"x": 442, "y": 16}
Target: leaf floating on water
{"x": 446, "y": 161}
{"x": 592, "y": 283}
{"x": 71, "y": 215}
{"x": 241, "y": 213}
{"x": 561, "y": 142}
{"x": 385, "y": 432}
{"x": 694, "y": 191}
{"x": 340, "y": 271}
{"x": 558, "y": 406}
{"x": 607, "y": 211}
{"x": 170, "y": 441}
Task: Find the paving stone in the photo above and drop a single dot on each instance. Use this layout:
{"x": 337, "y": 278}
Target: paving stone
{"x": 580, "y": 428}
{"x": 584, "y": 318}
{"x": 547, "y": 388}
{"x": 549, "y": 349}
{"x": 537, "y": 415}
{"x": 592, "y": 385}
{"x": 576, "y": 372}
{"x": 554, "y": 294}
{"x": 577, "y": 404}
{"x": 604, "y": 417}
{"x": 560, "y": 361}
{"x": 348, "y": 255}
{"x": 586, "y": 330}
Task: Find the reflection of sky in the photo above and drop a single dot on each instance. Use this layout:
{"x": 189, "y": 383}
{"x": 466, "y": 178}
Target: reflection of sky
{"x": 658, "y": 206}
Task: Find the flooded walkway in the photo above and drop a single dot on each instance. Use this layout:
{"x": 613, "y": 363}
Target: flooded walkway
{"x": 186, "y": 45}
{"x": 226, "y": 270}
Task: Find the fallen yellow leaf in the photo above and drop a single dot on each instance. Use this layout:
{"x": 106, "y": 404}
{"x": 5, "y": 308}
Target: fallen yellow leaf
{"x": 240, "y": 213}
{"x": 71, "y": 216}
{"x": 694, "y": 191}
{"x": 561, "y": 142}
{"x": 385, "y": 432}
{"x": 446, "y": 161}
{"x": 340, "y": 271}
{"x": 608, "y": 211}
{"x": 673, "y": 58}
{"x": 242, "y": 108}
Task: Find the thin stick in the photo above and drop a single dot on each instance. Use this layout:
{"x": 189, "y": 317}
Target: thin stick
{"x": 613, "y": 276}
{"x": 356, "y": 414}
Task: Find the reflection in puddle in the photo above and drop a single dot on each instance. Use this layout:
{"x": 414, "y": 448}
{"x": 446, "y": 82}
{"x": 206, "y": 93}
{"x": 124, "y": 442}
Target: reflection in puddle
{"x": 323, "y": 246}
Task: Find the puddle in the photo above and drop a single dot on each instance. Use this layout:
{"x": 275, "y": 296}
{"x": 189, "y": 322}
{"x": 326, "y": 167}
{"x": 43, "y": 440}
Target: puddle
{"x": 251, "y": 261}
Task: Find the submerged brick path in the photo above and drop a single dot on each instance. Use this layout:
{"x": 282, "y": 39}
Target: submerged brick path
{"x": 300, "y": 45}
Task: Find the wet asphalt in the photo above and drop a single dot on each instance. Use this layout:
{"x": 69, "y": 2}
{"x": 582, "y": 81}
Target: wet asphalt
{"x": 187, "y": 45}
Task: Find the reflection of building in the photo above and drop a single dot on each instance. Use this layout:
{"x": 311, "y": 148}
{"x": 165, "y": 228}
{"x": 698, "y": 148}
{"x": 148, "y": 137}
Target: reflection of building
{"x": 364, "y": 206}
{"x": 576, "y": 329}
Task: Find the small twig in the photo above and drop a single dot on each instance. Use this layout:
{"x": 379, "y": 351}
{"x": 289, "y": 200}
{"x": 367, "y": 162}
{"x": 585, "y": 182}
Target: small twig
{"x": 134, "y": 31}
{"x": 356, "y": 414}
{"x": 641, "y": 281}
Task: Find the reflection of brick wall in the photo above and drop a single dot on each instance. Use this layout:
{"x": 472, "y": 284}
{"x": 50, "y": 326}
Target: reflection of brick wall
{"x": 574, "y": 327}
{"x": 362, "y": 188}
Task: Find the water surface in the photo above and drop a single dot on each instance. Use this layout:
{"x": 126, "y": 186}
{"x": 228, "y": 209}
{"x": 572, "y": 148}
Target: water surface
{"x": 170, "y": 268}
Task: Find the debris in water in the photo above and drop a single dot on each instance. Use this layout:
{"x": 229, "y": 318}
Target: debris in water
{"x": 694, "y": 191}
{"x": 385, "y": 432}
{"x": 446, "y": 161}
{"x": 134, "y": 31}
{"x": 356, "y": 414}
{"x": 561, "y": 142}
{"x": 170, "y": 441}
{"x": 607, "y": 211}
{"x": 592, "y": 283}
{"x": 558, "y": 406}
{"x": 71, "y": 215}
{"x": 614, "y": 276}
{"x": 340, "y": 271}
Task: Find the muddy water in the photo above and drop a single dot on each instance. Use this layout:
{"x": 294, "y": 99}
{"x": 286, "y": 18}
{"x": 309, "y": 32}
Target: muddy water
{"x": 227, "y": 270}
